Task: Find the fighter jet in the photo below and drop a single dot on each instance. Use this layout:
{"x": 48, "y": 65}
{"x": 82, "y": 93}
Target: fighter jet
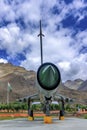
{"x": 48, "y": 79}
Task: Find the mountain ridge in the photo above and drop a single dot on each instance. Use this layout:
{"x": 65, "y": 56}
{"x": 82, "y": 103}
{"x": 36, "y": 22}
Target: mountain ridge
{"x": 75, "y": 84}
{"x": 83, "y": 86}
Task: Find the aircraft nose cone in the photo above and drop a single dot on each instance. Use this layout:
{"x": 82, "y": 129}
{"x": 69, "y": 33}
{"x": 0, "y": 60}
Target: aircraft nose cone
{"x": 48, "y": 76}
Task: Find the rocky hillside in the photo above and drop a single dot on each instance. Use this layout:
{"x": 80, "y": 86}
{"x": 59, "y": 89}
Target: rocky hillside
{"x": 73, "y": 84}
{"x": 23, "y": 84}
{"x": 21, "y": 80}
{"x": 83, "y": 86}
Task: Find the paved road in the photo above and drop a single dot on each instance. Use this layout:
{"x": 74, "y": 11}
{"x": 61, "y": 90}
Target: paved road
{"x": 24, "y": 124}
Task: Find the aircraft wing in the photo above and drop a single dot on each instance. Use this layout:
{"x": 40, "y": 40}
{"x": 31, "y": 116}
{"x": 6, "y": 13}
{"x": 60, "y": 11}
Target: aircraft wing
{"x": 64, "y": 98}
{"x": 33, "y": 96}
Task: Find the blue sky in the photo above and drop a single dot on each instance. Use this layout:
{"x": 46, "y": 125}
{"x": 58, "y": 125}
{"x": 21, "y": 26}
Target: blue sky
{"x": 64, "y": 24}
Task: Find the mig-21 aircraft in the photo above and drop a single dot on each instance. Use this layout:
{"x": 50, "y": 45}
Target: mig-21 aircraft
{"x": 48, "y": 79}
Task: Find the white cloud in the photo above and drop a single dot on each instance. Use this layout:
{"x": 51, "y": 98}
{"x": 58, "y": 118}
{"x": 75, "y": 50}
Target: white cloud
{"x": 65, "y": 65}
{"x": 13, "y": 40}
{"x": 3, "y": 60}
{"x": 79, "y": 4}
{"x": 6, "y": 12}
{"x": 82, "y": 38}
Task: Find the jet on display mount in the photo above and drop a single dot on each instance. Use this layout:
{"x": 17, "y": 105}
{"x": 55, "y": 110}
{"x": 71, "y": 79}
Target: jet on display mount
{"x": 48, "y": 80}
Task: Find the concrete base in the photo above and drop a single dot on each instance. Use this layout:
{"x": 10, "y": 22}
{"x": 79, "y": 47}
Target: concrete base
{"x": 30, "y": 118}
{"x": 47, "y": 119}
{"x": 61, "y": 117}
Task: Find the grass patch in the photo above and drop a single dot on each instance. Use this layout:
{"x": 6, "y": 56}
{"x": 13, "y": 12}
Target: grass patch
{"x": 6, "y": 118}
{"x": 85, "y": 116}
{"x": 9, "y": 118}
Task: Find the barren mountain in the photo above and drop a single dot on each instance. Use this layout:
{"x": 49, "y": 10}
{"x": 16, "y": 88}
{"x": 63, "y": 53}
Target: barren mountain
{"x": 23, "y": 84}
{"x": 83, "y": 86}
{"x": 73, "y": 84}
{"x": 21, "y": 81}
